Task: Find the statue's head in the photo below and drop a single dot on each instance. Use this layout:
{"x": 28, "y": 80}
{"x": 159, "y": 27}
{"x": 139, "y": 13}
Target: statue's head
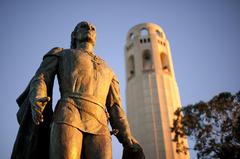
{"x": 83, "y": 32}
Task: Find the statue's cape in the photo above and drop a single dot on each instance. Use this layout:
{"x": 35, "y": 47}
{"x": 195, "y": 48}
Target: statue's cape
{"x": 32, "y": 140}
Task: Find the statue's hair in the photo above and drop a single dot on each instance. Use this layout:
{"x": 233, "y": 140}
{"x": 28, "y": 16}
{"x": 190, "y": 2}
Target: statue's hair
{"x": 73, "y": 39}
{"x": 73, "y": 35}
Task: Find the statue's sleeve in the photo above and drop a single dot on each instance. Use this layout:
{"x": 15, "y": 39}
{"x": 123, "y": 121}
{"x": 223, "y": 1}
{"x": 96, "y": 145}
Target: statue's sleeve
{"x": 118, "y": 119}
{"x": 44, "y": 77}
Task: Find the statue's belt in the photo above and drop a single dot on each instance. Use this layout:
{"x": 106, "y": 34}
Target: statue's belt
{"x": 85, "y": 97}
{"x": 71, "y": 98}
{"x": 91, "y": 99}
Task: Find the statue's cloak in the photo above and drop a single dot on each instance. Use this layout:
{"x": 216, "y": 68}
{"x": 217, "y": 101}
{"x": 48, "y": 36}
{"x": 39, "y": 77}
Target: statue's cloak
{"x": 32, "y": 140}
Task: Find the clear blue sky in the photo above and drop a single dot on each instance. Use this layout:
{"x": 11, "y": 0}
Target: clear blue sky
{"x": 204, "y": 37}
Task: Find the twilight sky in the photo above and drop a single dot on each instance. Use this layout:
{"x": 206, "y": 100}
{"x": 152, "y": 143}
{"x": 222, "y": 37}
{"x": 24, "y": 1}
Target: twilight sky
{"x": 204, "y": 37}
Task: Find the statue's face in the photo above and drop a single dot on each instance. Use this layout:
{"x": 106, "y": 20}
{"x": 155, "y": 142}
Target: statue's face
{"x": 85, "y": 32}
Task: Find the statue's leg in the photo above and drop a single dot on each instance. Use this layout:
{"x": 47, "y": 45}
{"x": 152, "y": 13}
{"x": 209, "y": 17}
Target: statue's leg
{"x": 65, "y": 142}
{"x": 97, "y": 146}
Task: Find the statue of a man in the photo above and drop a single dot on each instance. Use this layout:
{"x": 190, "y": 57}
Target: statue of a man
{"x": 90, "y": 98}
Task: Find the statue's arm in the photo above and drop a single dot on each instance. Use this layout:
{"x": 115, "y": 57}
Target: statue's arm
{"x": 118, "y": 119}
{"x": 41, "y": 81}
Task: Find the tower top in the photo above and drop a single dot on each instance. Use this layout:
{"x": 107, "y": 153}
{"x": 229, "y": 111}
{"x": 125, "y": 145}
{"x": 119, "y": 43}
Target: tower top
{"x": 144, "y": 29}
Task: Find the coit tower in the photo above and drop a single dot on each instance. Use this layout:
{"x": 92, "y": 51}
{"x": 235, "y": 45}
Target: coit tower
{"x": 152, "y": 93}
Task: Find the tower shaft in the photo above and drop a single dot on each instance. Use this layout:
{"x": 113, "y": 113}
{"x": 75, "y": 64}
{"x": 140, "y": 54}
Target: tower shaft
{"x": 152, "y": 94}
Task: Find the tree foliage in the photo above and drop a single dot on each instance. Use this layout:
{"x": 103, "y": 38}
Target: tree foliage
{"x": 214, "y": 125}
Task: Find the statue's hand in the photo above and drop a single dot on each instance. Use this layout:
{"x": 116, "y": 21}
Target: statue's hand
{"x": 38, "y": 106}
{"x": 129, "y": 141}
{"x": 133, "y": 150}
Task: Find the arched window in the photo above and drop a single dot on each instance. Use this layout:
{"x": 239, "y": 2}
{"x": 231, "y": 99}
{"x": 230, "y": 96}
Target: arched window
{"x": 165, "y": 62}
{"x": 131, "y": 67}
{"x": 131, "y": 36}
{"x": 144, "y": 32}
{"x": 159, "y": 33}
{"x": 147, "y": 60}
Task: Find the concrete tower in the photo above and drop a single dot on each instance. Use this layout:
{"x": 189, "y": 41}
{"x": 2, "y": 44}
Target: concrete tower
{"x": 152, "y": 93}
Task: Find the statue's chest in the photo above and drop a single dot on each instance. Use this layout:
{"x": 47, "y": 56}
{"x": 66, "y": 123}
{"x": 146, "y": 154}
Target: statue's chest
{"x": 83, "y": 64}
{"x": 83, "y": 61}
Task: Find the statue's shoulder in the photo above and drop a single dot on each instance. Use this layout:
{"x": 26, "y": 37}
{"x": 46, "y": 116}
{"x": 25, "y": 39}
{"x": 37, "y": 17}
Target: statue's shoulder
{"x": 106, "y": 66}
{"x": 102, "y": 62}
{"x": 56, "y": 51}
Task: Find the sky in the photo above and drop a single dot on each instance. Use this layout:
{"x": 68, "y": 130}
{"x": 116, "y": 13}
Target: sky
{"x": 204, "y": 37}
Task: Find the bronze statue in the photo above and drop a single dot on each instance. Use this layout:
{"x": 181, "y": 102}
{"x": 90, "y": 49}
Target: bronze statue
{"x": 90, "y": 97}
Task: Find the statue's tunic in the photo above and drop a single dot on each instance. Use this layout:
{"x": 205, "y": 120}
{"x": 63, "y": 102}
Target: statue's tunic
{"x": 88, "y": 87}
